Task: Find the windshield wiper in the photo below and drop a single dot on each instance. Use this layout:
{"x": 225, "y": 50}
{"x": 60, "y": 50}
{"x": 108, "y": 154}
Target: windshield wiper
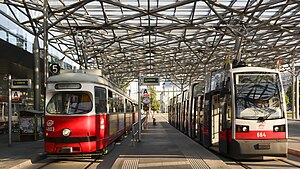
{"x": 269, "y": 114}
{"x": 263, "y": 118}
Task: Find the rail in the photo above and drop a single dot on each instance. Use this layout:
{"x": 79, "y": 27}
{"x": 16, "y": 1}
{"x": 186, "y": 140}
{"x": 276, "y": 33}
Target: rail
{"x": 135, "y": 130}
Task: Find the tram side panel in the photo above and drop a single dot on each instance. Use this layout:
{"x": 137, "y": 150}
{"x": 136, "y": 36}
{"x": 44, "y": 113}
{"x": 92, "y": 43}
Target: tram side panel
{"x": 116, "y": 115}
{"x": 174, "y": 112}
{"x": 193, "y": 118}
{"x": 206, "y": 129}
{"x": 178, "y": 111}
{"x": 128, "y": 115}
{"x": 226, "y": 123}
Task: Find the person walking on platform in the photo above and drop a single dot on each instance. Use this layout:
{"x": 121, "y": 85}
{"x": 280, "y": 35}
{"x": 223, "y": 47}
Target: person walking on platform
{"x": 154, "y": 120}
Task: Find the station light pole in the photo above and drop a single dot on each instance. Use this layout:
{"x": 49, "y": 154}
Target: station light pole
{"x": 295, "y": 92}
{"x": 139, "y": 108}
{"x": 37, "y": 80}
{"x": 9, "y": 111}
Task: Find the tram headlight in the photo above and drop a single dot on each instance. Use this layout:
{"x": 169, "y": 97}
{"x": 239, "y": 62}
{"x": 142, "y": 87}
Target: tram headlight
{"x": 279, "y": 128}
{"x": 240, "y": 128}
{"x": 66, "y": 132}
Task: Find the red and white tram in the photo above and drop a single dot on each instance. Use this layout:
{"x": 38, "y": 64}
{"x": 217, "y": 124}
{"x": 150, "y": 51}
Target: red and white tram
{"x": 85, "y": 113}
{"x": 241, "y": 113}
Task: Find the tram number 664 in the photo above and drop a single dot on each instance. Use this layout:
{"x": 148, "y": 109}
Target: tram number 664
{"x": 261, "y": 134}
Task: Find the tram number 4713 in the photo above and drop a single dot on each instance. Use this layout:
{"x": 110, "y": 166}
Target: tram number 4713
{"x": 49, "y": 128}
{"x": 261, "y": 134}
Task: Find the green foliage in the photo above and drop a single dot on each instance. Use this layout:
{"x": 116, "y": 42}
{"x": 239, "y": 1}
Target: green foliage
{"x": 287, "y": 100}
{"x": 288, "y": 96}
{"x": 155, "y": 104}
{"x": 125, "y": 86}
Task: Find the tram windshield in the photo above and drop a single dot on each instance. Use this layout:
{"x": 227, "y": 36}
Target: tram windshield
{"x": 258, "y": 96}
{"x": 69, "y": 103}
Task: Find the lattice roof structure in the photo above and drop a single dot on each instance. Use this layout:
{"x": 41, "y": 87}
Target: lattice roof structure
{"x": 178, "y": 40}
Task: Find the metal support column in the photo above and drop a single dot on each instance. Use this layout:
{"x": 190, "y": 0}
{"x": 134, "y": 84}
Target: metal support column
{"x": 45, "y": 28}
{"x": 9, "y": 111}
{"x": 297, "y": 98}
{"x": 238, "y": 48}
{"x": 37, "y": 79}
{"x": 189, "y": 109}
{"x": 139, "y": 108}
{"x": 293, "y": 90}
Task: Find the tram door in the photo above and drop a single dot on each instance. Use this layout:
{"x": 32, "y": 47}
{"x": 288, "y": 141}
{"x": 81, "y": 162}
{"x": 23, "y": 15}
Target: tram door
{"x": 225, "y": 125}
{"x": 215, "y": 121}
{"x": 193, "y": 117}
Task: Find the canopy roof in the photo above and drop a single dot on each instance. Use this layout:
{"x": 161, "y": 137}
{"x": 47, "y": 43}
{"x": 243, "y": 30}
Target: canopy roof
{"x": 178, "y": 40}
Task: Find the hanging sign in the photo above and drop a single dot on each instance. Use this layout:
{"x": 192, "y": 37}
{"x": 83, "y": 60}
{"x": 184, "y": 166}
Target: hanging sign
{"x": 20, "y": 83}
{"x": 150, "y": 81}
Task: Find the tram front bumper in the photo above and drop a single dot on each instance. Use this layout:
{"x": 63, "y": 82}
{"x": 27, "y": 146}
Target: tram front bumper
{"x": 259, "y": 148}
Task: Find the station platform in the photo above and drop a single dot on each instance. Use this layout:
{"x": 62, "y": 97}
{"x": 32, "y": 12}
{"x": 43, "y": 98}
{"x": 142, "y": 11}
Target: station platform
{"x": 162, "y": 147}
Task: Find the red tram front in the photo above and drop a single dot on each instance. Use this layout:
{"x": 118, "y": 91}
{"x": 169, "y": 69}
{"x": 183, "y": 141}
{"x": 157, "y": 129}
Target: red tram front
{"x": 85, "y": 113}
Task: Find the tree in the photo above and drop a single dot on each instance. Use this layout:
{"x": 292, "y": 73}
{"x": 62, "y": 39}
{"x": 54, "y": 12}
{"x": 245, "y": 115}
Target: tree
{"x": 288, "y": 96}
{"x": 155, "y": 105}
{"x": 154, "y": 102}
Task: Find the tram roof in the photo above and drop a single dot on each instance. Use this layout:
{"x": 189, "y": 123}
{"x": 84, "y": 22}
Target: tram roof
{"x": 253, "y": 69}
{"x": 177, "y": 40}
{"x": 84, "y": 77}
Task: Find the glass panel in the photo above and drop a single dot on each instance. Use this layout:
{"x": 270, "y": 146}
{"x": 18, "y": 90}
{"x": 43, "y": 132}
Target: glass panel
{"x": 100, "y": 100}
{"x": 258, "y": 96}
{"x": 70, "y": 103}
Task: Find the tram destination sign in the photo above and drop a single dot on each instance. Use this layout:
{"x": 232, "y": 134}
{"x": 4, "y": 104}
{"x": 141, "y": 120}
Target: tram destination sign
{"x": 150, "y": 81}
{"x": 20, "y": 83}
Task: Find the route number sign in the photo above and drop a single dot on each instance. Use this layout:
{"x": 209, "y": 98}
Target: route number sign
{"x": 54, "y": 68}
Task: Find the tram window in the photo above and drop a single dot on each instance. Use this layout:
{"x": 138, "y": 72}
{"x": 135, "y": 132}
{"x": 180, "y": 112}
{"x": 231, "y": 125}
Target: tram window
{"x": 118, "y": 103}
{"x": 110, "y": 101}
{"x": 258, "y": 96}
{"x": 201, "y": 111}
{"x": 121, "y": 104}
{"x": 115, "y": 103}
{"x": 228, "y": 112}
{"x": 70, "y": 103}
{"x": 128, "y": 106}
{"x": 100, "y": 100}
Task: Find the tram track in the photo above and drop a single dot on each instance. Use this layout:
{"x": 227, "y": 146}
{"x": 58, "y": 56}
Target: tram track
{"x": 277, "y": 163}
{"x": 96, "y": 160}
{"x": 80, "y": 163}
{"x": 294, "y": 139}
{"x": 292, "y": 163}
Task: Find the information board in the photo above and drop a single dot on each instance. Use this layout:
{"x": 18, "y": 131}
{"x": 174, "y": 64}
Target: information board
{"x": 150, "y": 81}
{"x": 20, "y": 83}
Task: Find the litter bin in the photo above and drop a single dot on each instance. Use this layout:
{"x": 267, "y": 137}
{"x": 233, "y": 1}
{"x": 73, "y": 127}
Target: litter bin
{"x": 31, "y": 124}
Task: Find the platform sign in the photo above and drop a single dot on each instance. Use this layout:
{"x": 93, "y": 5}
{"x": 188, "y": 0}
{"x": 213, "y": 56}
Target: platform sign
{"x": 150, "y": 81}
{"x": 144, "y": 91}
{"x": 20, "y": 83}
{"x": 15, "y": 95}
{"x": 146, "y": 100}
